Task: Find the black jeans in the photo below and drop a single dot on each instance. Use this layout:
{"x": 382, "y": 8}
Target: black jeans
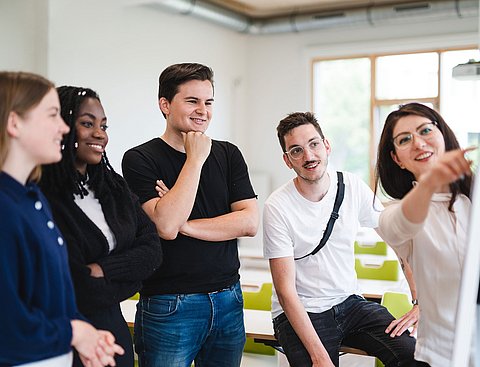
{"x": 111, "y": 319}
{"x": 355, "y": 323}
{"x": 419, "y": 364}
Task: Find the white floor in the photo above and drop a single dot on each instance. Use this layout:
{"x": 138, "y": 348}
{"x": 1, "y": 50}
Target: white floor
{"x": 254, "y": 271}
{"x": 257, "y": 360}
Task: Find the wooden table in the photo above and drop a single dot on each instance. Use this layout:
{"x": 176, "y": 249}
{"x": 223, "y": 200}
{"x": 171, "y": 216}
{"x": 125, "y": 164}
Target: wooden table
{"x": 258, "y": 326}
{"x": 373, "y": 290}
{"x": 129, "y": 307}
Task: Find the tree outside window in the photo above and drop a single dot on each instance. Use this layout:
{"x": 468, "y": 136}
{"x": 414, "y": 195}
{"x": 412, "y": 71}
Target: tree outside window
{"x": 353, "y": 96}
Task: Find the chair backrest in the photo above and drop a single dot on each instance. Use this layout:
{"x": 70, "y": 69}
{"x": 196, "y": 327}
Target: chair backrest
{"x": 135, "y": 297}
{"x": 386, "y": 271}
{"x": 261, "y": 300}
{"x": 397, "y": 304}
{"x": 377, "y": 248}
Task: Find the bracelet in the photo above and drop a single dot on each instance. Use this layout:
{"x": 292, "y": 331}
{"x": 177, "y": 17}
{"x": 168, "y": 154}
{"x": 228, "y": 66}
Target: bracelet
{"x": 415, "y": 302}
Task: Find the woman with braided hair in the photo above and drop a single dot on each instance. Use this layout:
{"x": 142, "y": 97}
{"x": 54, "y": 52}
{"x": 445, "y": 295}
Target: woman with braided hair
{"x": 39, "y": 318}
{"x": 112, "y": 244}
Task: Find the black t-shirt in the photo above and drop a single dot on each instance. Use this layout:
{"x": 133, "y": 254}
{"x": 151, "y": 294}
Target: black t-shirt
{"x": 191, "y": 265}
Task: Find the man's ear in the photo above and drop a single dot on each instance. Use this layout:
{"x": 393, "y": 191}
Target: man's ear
{"x": 286, "y": 159}
{"x": 396, "y": 160}
{"x": 13, "y": 122}
{"x": 328, "y": 147}
{"x": 164, "y": 105}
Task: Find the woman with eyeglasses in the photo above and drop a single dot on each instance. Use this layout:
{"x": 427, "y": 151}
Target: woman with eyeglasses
{"x": 421, "y": 165}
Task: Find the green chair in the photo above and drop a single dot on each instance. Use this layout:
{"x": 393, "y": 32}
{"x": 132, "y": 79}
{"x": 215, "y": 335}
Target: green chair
{"x": 387, "y": 271}
{"x": 398, "y": 305}
{"x": 135, "y": 297}
{"x": 377, "y": 248}
{"x": 261, "y": 300}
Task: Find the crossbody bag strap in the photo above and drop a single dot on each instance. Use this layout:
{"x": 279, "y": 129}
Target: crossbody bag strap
{"x": 333, "y": 216}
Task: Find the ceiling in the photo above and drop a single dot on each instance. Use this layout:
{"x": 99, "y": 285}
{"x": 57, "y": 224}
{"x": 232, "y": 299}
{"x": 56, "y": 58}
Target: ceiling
{"x": 275, "y": 8}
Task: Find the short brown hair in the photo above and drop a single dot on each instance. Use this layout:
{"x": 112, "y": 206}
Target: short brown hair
{"x": 177, "y": 74}
{"x": 294, "y": 120}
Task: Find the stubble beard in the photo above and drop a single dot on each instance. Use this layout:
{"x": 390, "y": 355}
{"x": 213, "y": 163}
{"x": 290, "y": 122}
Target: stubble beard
{"x": 313, "y": 181}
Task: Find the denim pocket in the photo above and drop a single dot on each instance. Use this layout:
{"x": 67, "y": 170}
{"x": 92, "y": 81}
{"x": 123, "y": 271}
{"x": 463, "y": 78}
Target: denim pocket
{"x": 237, "y": 291}
{"x": 161, "y": 305}
{"x": 280, "y": 321}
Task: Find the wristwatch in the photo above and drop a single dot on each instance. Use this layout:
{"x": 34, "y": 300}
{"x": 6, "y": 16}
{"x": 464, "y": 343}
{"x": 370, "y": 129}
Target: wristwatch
{"x": 415, "y": 302}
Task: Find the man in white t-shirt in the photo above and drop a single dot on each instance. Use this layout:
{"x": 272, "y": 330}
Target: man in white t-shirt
{"x": 314, "y": 307}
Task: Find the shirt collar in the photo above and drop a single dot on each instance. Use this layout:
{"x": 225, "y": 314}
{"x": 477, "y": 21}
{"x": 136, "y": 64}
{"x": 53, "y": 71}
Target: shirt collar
{"x": 15, "y": 189}
{"x": 437, "y": 196}
{"x": 442, "y": 196}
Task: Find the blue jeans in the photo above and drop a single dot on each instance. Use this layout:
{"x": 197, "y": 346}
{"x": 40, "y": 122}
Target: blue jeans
{"x": 172, "y": 330}
{"x": 355, "y": 323}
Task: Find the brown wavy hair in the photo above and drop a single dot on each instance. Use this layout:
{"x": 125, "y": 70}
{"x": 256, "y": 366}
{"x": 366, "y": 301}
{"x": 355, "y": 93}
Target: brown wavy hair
{"x": 397, "y": 182}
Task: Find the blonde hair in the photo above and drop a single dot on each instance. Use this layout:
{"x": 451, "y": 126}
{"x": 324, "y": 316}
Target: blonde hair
{"x": 19, "y": 93}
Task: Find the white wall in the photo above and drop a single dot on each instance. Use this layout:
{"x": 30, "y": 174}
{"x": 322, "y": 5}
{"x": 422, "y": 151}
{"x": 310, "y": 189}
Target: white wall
{"x": 119, "y": 50}
{"x": 23, "y": 36}
{"x": 279, "y": 70}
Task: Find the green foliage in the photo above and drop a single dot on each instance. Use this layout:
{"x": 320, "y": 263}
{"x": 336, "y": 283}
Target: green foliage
{"x": 342, "y": 107}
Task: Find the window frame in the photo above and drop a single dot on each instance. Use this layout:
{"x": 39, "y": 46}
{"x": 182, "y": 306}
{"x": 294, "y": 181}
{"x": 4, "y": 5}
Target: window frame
{"x": 377, "y": 102}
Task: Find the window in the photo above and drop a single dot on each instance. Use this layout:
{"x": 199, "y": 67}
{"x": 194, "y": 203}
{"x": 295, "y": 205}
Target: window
{"x": 353, "y": 96}
{"x": 341, "y": 105}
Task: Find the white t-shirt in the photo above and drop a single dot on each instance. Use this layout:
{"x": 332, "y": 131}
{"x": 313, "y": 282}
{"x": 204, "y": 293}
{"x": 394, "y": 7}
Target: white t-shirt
{"x": 293, "y": 226}
{"x": 436, "y": 251}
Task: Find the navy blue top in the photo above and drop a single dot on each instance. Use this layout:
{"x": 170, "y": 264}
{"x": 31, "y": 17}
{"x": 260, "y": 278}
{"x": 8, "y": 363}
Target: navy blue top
{"x": 37, "y": 299}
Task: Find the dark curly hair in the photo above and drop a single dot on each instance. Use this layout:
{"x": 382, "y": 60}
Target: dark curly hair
{"x": 62, "y": 178}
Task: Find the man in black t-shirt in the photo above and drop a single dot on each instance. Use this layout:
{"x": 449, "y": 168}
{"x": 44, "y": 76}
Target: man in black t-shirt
{"x": 192, "y": 308}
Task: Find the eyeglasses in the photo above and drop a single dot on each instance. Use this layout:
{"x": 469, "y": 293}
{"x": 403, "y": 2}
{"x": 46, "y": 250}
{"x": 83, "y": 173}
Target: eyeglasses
{"x": 425, "y": 131}
{"x": 297, "y": 152}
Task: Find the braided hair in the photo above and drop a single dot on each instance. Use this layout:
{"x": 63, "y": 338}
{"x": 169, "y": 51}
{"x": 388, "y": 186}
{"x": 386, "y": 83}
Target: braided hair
{"x": 63, "y": 178}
